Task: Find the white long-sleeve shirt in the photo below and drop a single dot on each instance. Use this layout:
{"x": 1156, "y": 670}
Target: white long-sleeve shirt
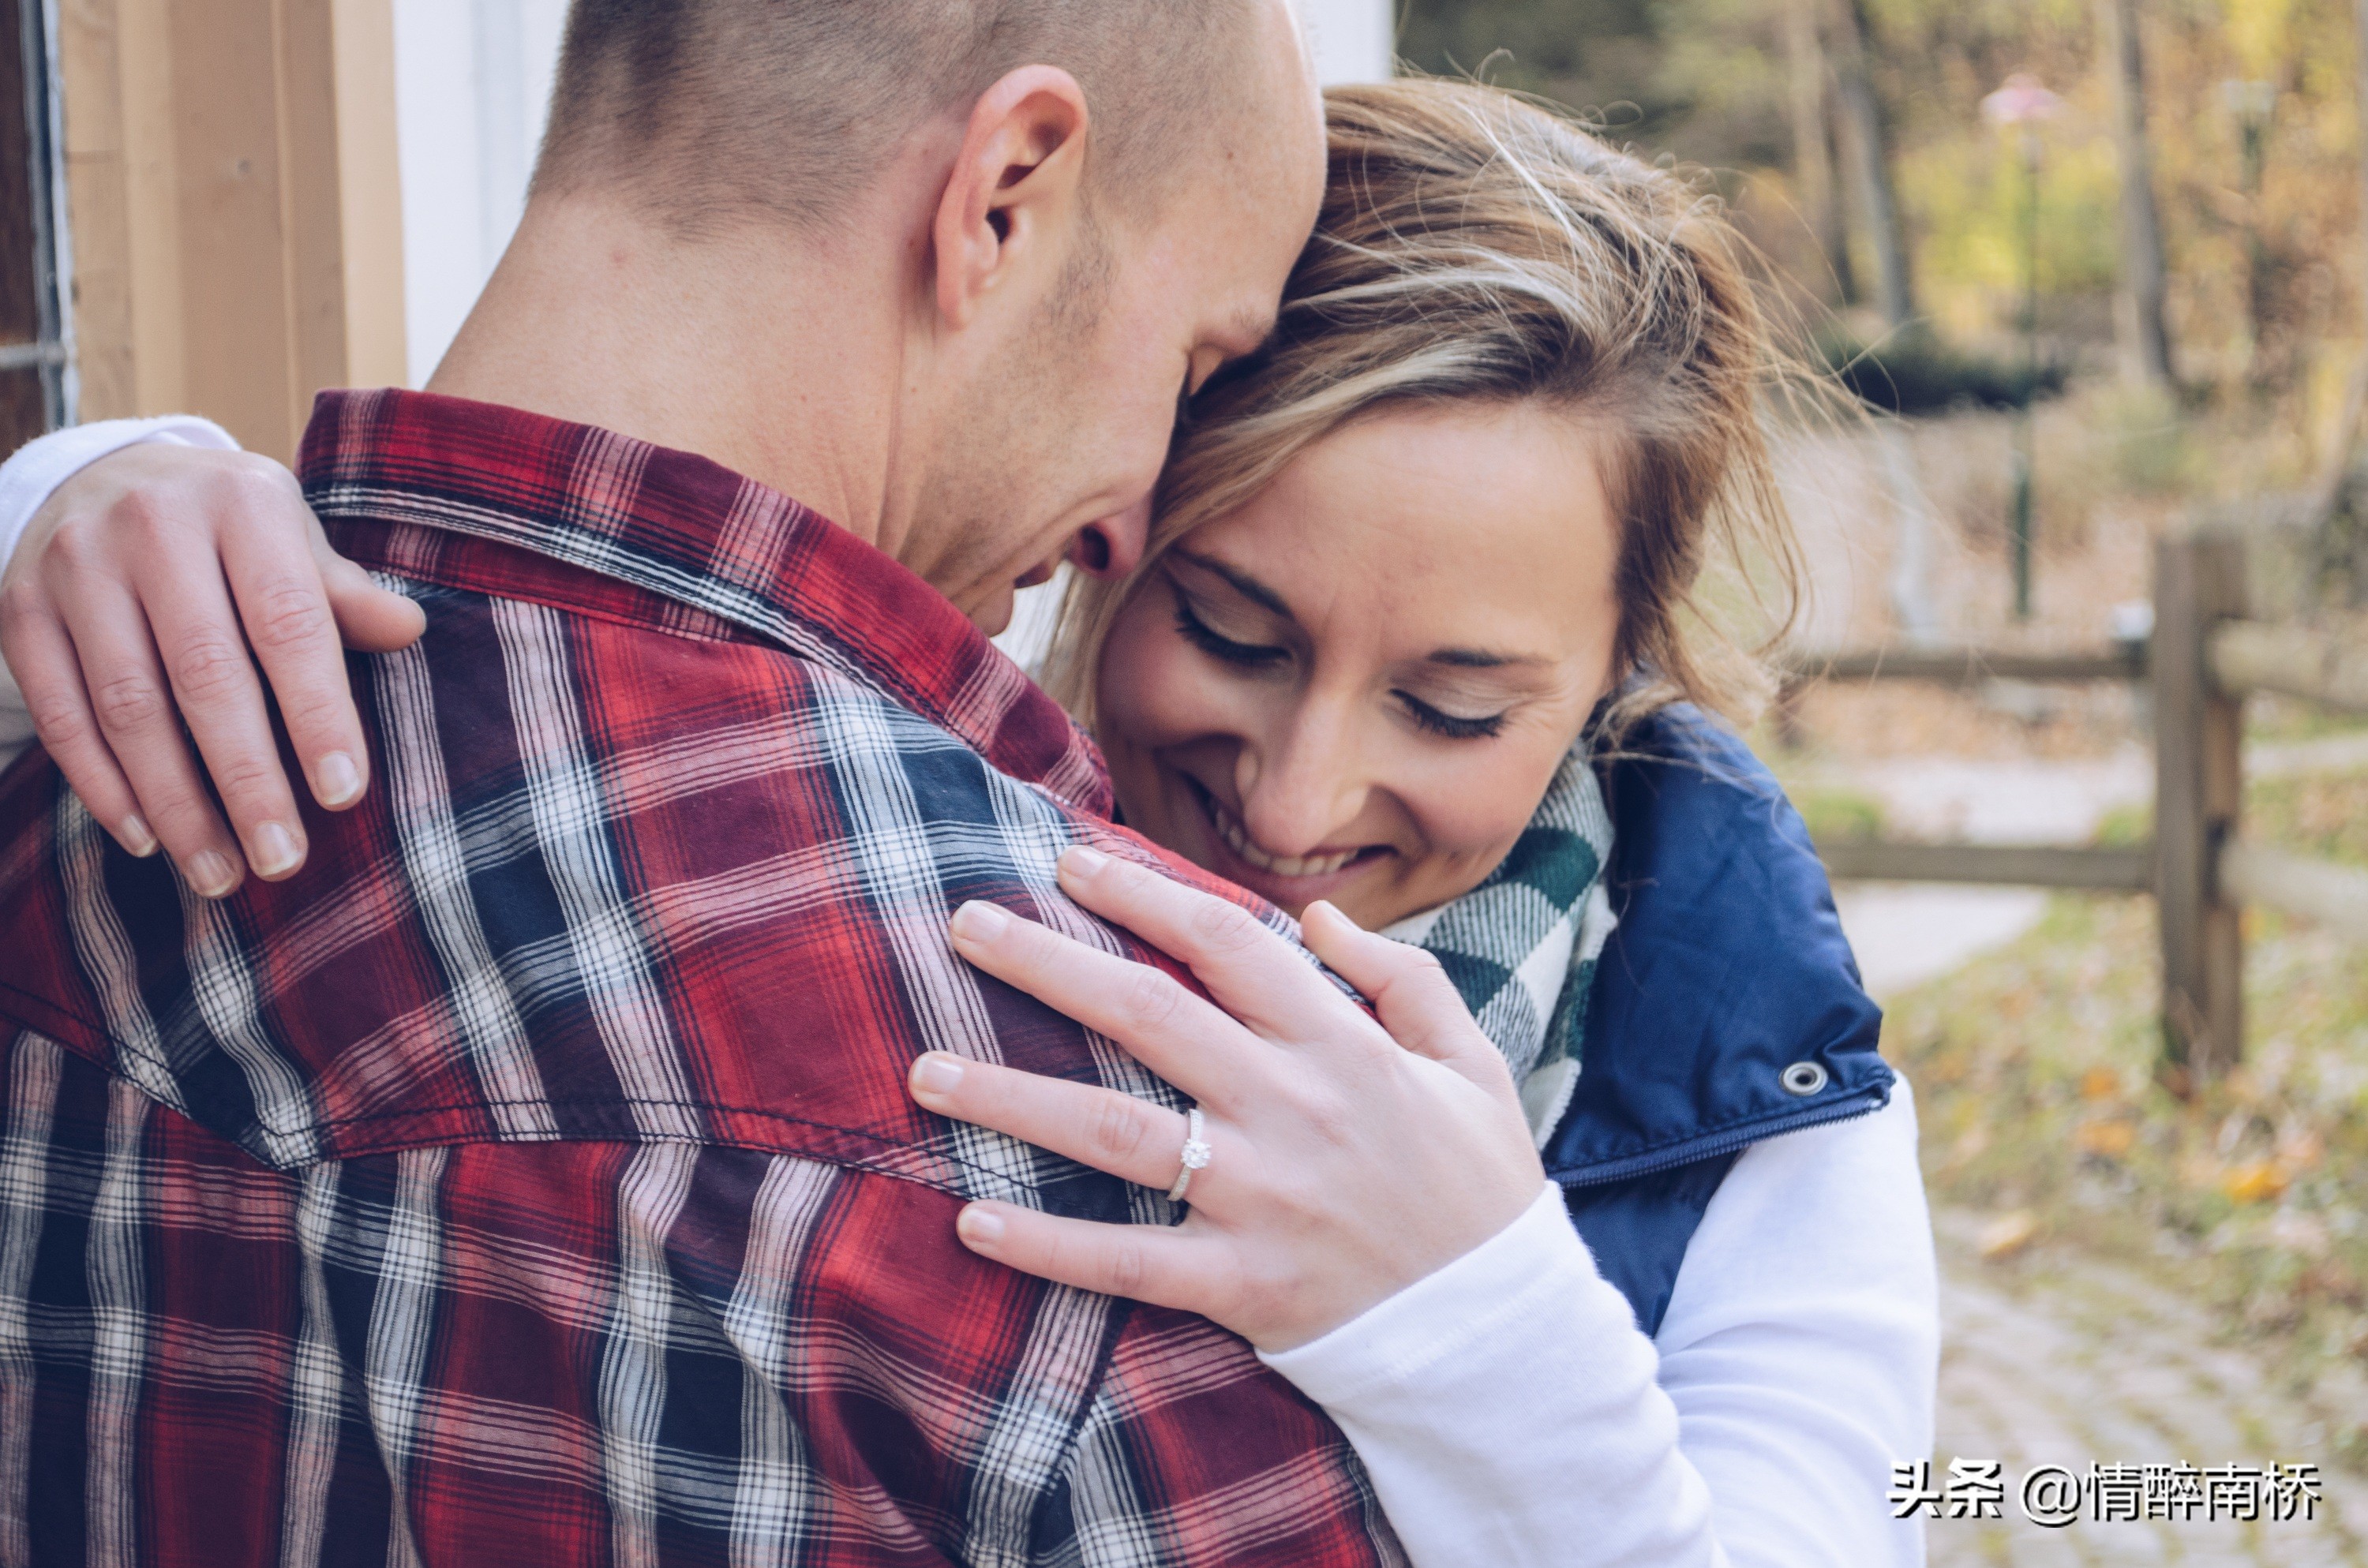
{"x": 1510, "y": 1410}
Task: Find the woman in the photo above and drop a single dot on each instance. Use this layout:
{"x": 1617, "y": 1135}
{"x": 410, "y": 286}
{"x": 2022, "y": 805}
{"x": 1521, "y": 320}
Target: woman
{"x": 1421, "y": 569}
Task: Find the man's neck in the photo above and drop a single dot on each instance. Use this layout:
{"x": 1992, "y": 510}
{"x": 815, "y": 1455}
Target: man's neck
{"x": 776, "y": 357}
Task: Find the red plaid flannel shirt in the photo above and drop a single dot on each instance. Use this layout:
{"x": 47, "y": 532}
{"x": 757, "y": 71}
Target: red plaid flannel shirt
{"x": 532, "y": 1179}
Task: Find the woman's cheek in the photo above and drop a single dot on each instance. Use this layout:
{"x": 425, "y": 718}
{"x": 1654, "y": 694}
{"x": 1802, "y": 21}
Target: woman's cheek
{"x": 1471, "y": 808}
{"x": 1155, "y": 690}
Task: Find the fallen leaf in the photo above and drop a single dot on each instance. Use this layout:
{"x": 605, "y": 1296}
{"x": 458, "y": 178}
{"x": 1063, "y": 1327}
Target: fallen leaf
{"x": 2099, "y": 1083}
{"x": 2110, "y": 1138}
{"x": 2254, "y": 1182}
{"x": 2008, "y": 1234}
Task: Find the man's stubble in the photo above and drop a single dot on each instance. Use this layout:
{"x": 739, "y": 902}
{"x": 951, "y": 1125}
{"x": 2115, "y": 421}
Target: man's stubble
{"x": 1028, "y": 445}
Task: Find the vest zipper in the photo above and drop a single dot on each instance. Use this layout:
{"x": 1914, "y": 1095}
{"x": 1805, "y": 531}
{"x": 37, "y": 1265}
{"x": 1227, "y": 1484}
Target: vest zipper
{"x": 1709, "y": 1148}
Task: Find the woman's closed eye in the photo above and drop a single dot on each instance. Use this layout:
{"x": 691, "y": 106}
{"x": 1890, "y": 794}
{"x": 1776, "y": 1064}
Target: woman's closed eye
{"x": 1451, "y": 726}
{"x": 1223, "y": 649}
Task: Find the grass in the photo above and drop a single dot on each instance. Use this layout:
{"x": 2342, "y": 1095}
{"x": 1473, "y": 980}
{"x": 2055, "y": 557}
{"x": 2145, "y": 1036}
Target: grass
{"x": 2033, "y": 1069}
{"x": 2322, "y": 814}
{"x": 1837, "y": 815}
{"x": 2269, "y": 717}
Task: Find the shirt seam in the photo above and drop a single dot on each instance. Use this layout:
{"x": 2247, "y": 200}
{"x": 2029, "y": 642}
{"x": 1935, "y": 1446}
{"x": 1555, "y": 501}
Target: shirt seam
{"x": 743, "y": 637}
{"x": 323, "y": 1124}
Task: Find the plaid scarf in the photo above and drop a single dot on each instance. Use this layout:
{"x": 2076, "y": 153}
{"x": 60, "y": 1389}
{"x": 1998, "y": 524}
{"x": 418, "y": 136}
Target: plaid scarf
{"x": 1522, "y": 947}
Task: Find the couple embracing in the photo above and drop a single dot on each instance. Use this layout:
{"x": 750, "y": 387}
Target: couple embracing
{"x": 708, "y": 1062}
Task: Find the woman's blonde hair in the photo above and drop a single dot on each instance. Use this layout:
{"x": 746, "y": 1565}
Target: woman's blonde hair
{"x": 1476, "y": 247}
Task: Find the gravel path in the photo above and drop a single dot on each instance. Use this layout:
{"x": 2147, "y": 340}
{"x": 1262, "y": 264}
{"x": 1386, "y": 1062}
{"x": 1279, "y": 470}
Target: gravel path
{"x": 2054, "y": 1358}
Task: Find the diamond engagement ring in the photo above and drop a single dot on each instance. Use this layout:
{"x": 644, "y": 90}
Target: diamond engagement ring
{"x": 1196, "y": 1156}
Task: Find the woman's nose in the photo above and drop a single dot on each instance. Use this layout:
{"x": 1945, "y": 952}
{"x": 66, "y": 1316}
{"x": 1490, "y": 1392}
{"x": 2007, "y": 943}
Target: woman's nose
{"x": 1298, "y": 797}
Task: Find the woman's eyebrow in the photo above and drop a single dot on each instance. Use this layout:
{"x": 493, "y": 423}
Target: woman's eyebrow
{"x": 1242, "y": 583}
{"x": 1482, "y": 659}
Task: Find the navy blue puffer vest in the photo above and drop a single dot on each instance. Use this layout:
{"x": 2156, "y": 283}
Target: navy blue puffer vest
{"x": 1726, "y": 1008}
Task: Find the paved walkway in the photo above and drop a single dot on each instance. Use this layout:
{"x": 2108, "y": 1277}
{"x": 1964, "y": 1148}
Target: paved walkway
{"x": 2052, "y": 1358}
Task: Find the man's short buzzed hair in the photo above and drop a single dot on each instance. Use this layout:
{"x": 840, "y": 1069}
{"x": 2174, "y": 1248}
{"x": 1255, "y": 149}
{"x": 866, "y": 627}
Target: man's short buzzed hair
{"x": 720, "y": 109}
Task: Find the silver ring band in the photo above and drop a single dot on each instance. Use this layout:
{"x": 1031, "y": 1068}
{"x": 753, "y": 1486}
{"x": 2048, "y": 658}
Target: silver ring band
{"x": 1196, "y": 1156}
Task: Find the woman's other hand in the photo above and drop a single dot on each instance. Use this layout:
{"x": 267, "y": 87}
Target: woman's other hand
{"x": 1349, "y": 1158}
{"x": 142, "y": 597}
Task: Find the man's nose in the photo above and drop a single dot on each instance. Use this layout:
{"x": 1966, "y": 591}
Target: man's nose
{"x": 1113, "y": 547}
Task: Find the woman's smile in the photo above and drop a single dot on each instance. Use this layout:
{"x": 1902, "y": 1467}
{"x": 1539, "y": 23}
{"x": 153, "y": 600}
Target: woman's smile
{"x": 1291, "y": 880}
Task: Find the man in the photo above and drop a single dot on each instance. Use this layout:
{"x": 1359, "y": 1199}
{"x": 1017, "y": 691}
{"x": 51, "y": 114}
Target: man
{"x": 534, "y": 1177}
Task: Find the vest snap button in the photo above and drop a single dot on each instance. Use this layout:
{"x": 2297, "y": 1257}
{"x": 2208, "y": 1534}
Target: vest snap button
{"x": 1803, "y": 1079}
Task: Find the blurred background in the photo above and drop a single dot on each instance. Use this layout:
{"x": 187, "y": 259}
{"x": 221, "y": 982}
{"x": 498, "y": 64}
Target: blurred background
{"x": 2078, "y": 706}
{"x": 2084, "y": 615}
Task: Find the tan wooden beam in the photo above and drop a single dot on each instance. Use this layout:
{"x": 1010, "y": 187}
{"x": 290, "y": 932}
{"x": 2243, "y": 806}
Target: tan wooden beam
{"x": 369, "y": 192}
{"x": 235, "y": 199}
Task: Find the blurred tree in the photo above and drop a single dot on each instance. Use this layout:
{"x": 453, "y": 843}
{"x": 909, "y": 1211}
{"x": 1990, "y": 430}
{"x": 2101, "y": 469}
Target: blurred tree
{"x": 1719, "y": 84}
{"x": 1866, "y": 141}
{"x": 1600, "y": 57}
{"x": 2146, "y": 275}
{"x": 1810, "y": 99}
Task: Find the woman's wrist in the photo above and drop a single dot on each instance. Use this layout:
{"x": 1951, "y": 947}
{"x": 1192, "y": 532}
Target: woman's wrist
{"x": 1529, "y": 1266}
{"x": 32, "y": 475}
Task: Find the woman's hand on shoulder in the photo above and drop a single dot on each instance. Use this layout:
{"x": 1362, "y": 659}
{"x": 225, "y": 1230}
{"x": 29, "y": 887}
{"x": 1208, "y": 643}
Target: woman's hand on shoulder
{"x": 1348, "y": 1158}
{"x": 133, "y": 615}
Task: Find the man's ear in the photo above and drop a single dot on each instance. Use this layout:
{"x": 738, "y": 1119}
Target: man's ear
{"x": 1015, "y": 185}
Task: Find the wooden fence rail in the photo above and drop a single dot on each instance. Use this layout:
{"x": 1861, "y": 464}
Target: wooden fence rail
{"x": 2006, "y": 864}
{"x": 2293, "y": 661}
{"x": 2204, "y": 658}
{"x": 2335, "y": 896}
{"x": 1971, "y": 667}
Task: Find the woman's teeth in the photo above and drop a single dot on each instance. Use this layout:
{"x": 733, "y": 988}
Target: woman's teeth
{"x": 1278, "y": 865}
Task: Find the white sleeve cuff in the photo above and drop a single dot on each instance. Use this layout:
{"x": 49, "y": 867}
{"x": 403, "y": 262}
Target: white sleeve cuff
{"x": 29, "y": 478}
{"x": 32, "y": 476}
{"x": 1529, "y": 1270}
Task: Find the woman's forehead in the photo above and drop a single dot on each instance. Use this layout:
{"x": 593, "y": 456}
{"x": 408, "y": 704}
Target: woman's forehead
{"x": 1452, "y": 521}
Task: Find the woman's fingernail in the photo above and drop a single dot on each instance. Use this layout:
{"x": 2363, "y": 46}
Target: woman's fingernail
{"x": 213, "y": 874}
{"x": 979, "y": 1227}
{"x": 337, "y": 779}
{"x": 1083, "y": 860}
{"x": 937, "y": 1073}
{"x": 136, "y": 836}
{"x": 978, "y": 921}
{"x": 275, "y": 850}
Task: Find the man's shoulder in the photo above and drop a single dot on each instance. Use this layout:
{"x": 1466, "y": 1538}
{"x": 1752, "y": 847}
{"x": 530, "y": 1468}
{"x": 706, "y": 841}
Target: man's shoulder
{"x": 611, "y": 884}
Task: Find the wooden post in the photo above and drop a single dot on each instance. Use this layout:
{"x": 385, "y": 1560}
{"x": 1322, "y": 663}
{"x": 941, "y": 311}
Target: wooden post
{"x": 2198, "y": 581}
{"x": 237, "y": 226}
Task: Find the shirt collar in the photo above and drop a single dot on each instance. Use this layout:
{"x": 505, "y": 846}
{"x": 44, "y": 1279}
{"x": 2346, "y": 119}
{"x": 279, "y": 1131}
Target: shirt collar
{"x": 690, "y": 532}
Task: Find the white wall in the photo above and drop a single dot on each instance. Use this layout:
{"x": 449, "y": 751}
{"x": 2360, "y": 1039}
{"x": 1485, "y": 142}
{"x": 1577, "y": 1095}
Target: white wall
{"x": 1354, "y": 40}
{"x": 472, "y": 82}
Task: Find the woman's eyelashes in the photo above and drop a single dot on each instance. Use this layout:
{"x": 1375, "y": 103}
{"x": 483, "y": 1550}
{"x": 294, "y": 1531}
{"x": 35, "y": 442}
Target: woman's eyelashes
{"x": 1225, "y": 650}
{"x": 1263, "y": 657}
{"x": 1449, "y": 726}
